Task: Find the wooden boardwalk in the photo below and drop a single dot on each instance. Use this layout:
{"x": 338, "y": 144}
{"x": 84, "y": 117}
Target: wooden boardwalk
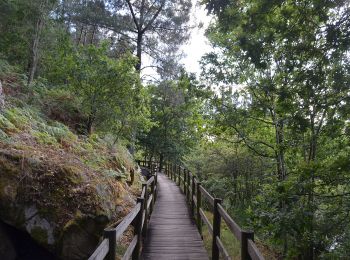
{"x": 172, "y": 234}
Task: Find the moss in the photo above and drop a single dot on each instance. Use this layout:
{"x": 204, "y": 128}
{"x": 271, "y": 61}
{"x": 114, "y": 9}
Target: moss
{"x": 20, "y": 118}
{"x": 9, "y": 174}
{"x": 40, "y": 235}
{"x": 72, "y": 173}
{"x": 6, "y": 125}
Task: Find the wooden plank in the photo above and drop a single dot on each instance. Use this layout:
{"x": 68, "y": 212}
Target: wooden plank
{"x": 130, "y": 250}
{"x": 143, "y": 192}
{"x": 126, "y": 221}
{"x": 101, "y": 251}
{"x": 233, "y": 226}
{"x": 172, "y": 233}
{"x": 194, "y": 200}
{"x": 150, "y": 181}
{"x": 222, "y": 249}
{"x": 206, "y": 221}
{"x": 149, "y": 201}
{"x": 253, "y": 251}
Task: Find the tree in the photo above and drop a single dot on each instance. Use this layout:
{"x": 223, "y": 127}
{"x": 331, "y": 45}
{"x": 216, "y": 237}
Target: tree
{"x": 176, "y": 112}
{"x": 155, "y": 26}
{"x": 291, "y": 59}
{"x": 109, "y": 89}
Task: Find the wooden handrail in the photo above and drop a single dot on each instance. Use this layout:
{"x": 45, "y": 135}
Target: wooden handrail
{"x": 194, "y": 191}
{"x": 138, "y": 217}
{"x": 101, "y": 251}
{"x": 233, "y": 226}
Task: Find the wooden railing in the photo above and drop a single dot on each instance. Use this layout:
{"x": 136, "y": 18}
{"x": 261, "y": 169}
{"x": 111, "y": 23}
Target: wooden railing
{"x": 138, "y": 218}
{"x": 195, "y": 193}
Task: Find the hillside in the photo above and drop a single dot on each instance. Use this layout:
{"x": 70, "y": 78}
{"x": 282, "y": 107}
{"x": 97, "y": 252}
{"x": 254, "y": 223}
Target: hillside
{"x": 59, "y": 187}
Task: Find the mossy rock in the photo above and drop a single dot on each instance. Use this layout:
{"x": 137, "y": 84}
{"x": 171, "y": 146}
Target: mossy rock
{"x": 40, "y": 235}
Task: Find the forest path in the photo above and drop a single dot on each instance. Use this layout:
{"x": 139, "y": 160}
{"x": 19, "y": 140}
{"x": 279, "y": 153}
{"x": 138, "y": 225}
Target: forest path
{"x": 172, "y": 233}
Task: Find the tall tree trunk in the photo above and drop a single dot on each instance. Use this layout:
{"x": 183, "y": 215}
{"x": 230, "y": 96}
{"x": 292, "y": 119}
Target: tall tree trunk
{"x": 161, "y": 161}
{"x": 139, "y": 52}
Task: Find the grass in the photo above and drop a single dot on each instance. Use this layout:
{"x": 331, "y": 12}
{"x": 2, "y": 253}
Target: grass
{"x": 231, "y": 244}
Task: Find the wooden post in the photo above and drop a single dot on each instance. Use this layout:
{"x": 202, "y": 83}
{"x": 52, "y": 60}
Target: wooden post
{"x": 178, "y": 175}
{"x": 192, "y": 195}
{"x": 138, "y": 230}
{"x": 172, "y": 172}
{"x": 144, "y": 231}
{"x": 110, "y": 234}
{"x": 216, "y": 229}
{"x": 185, "y": 180}
{"x": 245, "y": 235}
{"x": 199, "y": 204}
{"x": 188, "y": 178}
{"x": 155, "y": 185}
{"x": 153, "y": 193}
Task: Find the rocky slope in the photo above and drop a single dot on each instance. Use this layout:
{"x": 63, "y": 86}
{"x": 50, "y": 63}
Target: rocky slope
{"x": 58, "y": 188}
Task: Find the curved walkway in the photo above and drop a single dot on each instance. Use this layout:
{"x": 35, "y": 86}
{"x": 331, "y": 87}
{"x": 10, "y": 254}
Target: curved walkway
{"x": 172, "y": 233}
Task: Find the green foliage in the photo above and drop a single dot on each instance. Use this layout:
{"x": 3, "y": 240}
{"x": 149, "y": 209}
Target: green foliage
{"x": 115, "y": 174}
{"x": 45, "y": 138}
{"x": 20, "y": 118}
{"x": 110, "y": 95}
{"x": 176, "y": 111}
{"x": 6, "y": 125}
{"x": 289, "y": 59}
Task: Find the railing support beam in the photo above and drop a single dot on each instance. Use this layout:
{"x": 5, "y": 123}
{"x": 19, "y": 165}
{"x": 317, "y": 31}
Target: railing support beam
{"x": 138, "y": 230}
{"x": 216, "y": 229}
{"x": 199, "y": 205}
{"x": 110, "y": 234}
{"x": 245, "y": 235}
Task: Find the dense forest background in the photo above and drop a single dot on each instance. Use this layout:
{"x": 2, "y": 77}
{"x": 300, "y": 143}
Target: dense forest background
{"x": 266, "y": 126}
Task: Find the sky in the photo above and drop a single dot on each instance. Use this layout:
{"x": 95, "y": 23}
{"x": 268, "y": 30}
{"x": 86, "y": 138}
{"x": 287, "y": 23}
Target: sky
{"x": 198, "y": 44}
{"x": 194, "y": 49}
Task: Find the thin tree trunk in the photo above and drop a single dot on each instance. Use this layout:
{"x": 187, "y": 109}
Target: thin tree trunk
{"x": 34, "y": 57}
{"x": 161, "y": 159}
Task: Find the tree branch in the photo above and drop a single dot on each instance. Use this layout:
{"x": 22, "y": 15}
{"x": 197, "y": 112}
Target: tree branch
{"x": 133, "y": 15}
{"x": 154, "y": 17}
